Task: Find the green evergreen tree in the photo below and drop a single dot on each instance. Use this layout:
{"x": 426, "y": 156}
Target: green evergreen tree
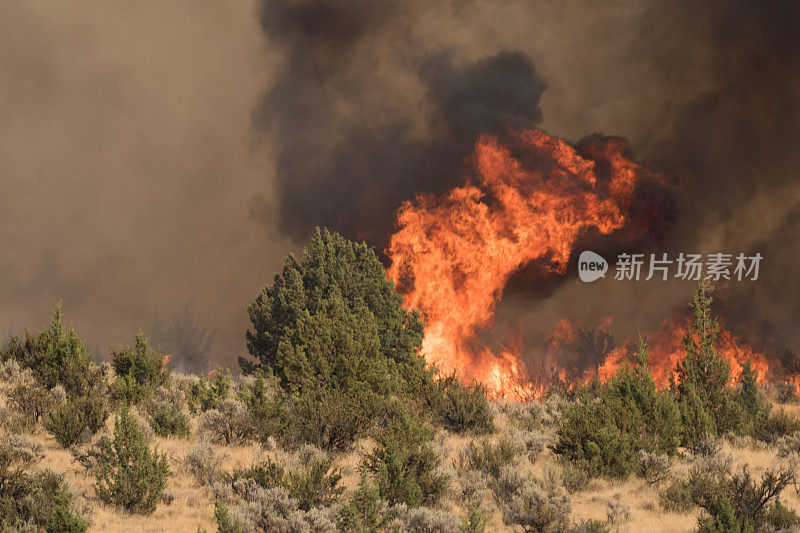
{"x": 748, "y": 391}
{"x": 55, "y": 355}
{"x": 139, "y": 370}
{"x": 332, "y": 320}
{"x": 129, "y": 473}
{"x": 702, "y": 376}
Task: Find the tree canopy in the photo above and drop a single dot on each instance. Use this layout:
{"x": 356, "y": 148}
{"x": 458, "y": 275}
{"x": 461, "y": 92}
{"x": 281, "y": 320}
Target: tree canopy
{"x": 331, "y": 319}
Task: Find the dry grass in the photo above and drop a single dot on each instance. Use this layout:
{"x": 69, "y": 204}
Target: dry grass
{"x": 192, "y": 505}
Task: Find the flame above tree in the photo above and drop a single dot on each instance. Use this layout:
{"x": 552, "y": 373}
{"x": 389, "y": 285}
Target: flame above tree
{"x": 529, "y": 199}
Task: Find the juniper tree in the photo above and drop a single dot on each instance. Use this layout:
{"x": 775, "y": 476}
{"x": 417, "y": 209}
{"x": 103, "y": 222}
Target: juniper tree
{"x": 748, "y": 390}
{"x": 702, "y": 376}
{"x": 129, "y": 473}
{"x": 331, "y": 319}
{"x": 55, "y": 355}
{"x": 334, "y": 332}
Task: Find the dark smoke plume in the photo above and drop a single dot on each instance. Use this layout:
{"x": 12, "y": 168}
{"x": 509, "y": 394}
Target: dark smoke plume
{"x": 735, "y": 146}
{"x": 724, "y": 81}
{"x": 128, "y": 163}
{"x": 347, "y": 158}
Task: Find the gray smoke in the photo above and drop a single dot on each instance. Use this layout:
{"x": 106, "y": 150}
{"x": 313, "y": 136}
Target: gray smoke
{"x": 349, "y": 150}
{"x": 129, "y": 161}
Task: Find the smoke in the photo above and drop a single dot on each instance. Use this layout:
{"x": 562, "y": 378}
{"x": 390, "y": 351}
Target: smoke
{"x": 126, "y": 168}
{"x": 733, "y": 143}
{"x": 706, "y": 94}
{"x": 364, "y": 117}
{"x": 174, "y": 153}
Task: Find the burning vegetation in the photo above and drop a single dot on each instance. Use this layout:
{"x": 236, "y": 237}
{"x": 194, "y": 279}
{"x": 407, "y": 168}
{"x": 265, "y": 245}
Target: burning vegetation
{"x": 336, "y": 378}
{"x": 528, "y": 203}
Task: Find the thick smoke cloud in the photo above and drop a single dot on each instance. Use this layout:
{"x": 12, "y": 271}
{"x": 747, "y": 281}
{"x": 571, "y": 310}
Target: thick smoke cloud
{"x": 347, "y": 156}
{"x": 707, "y": 94}
{"x": 734, "y": 144}
{"x": 129, "y": 159}
{"x": 126, "y": 171}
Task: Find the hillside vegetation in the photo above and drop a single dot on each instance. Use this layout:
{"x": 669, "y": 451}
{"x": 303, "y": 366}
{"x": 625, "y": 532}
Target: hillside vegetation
{"x": 335, "y": 423}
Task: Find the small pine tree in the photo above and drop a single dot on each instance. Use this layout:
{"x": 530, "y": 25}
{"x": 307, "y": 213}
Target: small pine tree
{"x": 129, "y": 474}
{"x": 748, "y": 391}
{"x": 365, "y": 511}
{"x": 56, "y": 356}
{"x": 702, "y": 376}
{"x": 332, "y": 318}
{"x": 139, "y": 370}
{"x": 404, "y": 463}
{"x": 702, "y": 367}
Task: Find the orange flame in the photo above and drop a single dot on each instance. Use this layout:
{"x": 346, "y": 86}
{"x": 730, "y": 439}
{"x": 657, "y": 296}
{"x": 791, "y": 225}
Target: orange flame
{"x": 668, "y": 349}
{"x": 453, "y": 254}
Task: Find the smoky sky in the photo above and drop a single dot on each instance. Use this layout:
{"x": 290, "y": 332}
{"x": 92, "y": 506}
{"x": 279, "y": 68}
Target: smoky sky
{"x": 347, "y": 156}
{"x": 164, "y": 157}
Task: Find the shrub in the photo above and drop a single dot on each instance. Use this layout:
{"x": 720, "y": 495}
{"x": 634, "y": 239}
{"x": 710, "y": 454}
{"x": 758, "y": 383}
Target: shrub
{"x": 531, "y": 441}
{"x": 491, "y": 458}
{"x": 405, "y": 464}
{"x": 209, "y": 391}
{"x": 475, "y": 521}
{"x": 31, "y": 401}
{"x": 789, "y": 445}
{"x": 67, "y": 424}
{"x": 740, "y": 503}
{"x": 590, "y": 438}
{"x": 169, "y": 420}
{"x": 590, "y": 526}
{"x": 365, "y": 511}
{"x": 781, "y": 517}
{"x": 462, "y": 407}
{"x": 12, "y": 421}
{"x": 267, "y": 406}
{"x": 18, "y": 448}
{"x": 618, "y": 511}
{"x": 533, "y": 504}
{"x": 228, "y": 423}
{"x": 770, "y": 427}
{"x": 59, "y": 362}
{"x": 129, "y": 474}
{"x": 575, "y": 479}
{"x": 707, "y": 445}
{"x": 267, "y": 474}
{"x": 732, "y": 502}
{"x": 37, "y": 502}
{"x": 328, "y": 418}
{"x": 474, "y": 488}
{"x": 75, "y": 418}
{"x": 536, "y": 414}
{"x": 54, "y": 355}
{"x": 317, "y": 484}
{"x": 676, "y": 497}
{"x": 139, "y": 370}
{"x": 424, "y": 520}
{"x": 258, "y": 509}
{"x": 604, "y": 429}
{"x": 653, "y": 467}
{"x": 204, "y": 463}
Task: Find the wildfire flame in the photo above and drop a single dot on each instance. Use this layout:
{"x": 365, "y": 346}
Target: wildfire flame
{"x": 667, "y": 350}
{"x": 530, "y": 200}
